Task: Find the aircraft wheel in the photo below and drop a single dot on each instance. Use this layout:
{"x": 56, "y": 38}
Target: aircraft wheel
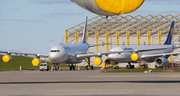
{"x": 86, "y": 67}
{"x": 70, "y": 67}
{"x": 56, "y": 68}
{"x": 132, "y": 66}
{"x": 116, "y": 67}
{"x": 47, "y": 68}
{"x": 91, "y": 67}
{"x": 128, "y": 67}
{"x": 160, "y": 67}
{"x": 145, "y": 67}
{"x": 73, "y": 67}
{"x": 156, "y": 66}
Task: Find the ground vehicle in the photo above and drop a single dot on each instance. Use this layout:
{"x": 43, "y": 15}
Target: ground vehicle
{"x": 44, "y": 66}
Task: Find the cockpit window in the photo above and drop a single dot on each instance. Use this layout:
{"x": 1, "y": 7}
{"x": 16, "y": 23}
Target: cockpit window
{"x": 54, "y": 51}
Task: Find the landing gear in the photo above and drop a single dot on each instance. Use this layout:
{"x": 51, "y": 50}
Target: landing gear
{"x": 116, "y": 67}
{"x": 55, "y": 67}
{"x": 72, "y": 67}
{"x": 129, "y": 66}
{"x": 89, "y": 67}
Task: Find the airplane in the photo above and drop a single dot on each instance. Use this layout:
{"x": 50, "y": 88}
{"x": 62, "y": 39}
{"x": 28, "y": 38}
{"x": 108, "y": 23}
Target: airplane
{"x": 61, "y": 54}
{"x": 76, "y": 53}
{"x": 150, "y": 53}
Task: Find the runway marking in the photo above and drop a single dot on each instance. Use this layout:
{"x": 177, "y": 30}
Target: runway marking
{"x": 51, "y": 82}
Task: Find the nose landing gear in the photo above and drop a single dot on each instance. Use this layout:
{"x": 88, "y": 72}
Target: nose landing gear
{"x": 55, "y": 67}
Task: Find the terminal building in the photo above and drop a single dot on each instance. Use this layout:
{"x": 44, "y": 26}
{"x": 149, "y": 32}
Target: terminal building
{"x": 126, "y": 31}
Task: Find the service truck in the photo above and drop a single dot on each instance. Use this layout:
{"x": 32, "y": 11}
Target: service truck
{"x": 44, "y": 67}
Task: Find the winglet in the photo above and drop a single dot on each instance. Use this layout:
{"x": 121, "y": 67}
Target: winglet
{"x": 170, "y": 34}
{"x": 84, "y": 31}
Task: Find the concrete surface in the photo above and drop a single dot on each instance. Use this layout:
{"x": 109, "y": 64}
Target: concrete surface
{"x": 88, "y": 83}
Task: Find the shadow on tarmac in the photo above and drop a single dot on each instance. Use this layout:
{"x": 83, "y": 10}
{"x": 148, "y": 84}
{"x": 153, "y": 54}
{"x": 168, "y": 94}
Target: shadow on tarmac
{"x": 55, "y": 82}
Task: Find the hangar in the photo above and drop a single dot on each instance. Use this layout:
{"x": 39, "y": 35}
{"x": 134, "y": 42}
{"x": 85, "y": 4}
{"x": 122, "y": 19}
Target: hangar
{"x": 125, "y": 30}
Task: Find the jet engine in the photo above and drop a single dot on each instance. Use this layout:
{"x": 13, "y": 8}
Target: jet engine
{"x": 98, "y": 61}
{"x": 109, "y": 62}
{"x": 109, "y": 7}
{"x": 36, "y": 61}
{"x": 6, "y": 58}
{"x": 161, "y": 61}
{"x": 134, "y": 57}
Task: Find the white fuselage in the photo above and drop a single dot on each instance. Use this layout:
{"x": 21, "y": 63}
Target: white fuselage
{"x": 67, "y": 53}
{"x": 126, "y": 57}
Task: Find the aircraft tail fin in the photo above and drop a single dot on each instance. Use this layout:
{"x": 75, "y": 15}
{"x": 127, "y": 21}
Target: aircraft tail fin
{"x": 170, "y": 34}
{"x": 84, "y": 31}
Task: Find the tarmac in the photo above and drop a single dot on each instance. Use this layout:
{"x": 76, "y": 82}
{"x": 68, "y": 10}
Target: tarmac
{"x": 88, "y": 83}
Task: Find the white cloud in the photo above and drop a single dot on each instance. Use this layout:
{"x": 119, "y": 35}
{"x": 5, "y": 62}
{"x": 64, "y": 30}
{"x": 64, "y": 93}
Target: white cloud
{"x": 50, "y": 1}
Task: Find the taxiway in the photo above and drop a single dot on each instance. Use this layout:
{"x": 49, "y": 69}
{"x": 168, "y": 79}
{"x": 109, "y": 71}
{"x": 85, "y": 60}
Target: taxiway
{"x": 88, "y": 83}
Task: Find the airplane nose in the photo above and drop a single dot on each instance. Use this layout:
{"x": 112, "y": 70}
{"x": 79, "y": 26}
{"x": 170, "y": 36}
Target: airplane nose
{"x": 53, "y": 57}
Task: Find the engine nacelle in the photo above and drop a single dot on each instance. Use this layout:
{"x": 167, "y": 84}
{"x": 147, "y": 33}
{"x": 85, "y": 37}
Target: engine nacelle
{"x": 134, "y": 56}
{"x": 98, "y": 61}
{"x": 36, "y": 62}
{"x": 109, "y": 62}
{"x": 6, "y": 58}
{"x": 161, "y": 61}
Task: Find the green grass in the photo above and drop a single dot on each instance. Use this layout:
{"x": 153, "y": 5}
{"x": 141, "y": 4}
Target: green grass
{"x": 15, "y": 63}
{"x": 25, "y": 63}
{"x": 140, "y": 70}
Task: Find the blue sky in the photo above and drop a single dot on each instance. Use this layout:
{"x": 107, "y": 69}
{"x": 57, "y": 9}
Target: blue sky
{"x": 31, "y": 24}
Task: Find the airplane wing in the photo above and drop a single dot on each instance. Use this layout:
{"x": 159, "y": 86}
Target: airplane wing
{"x": 80, "y": 56}
{"x": 91, "y": 54}
{"x": 100, "y": 44}
{"x": 177, "y": 47}
{"x": 158, "y": 55}
{"x": 37, "y": 55}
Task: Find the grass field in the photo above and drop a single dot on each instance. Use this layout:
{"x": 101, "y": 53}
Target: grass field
{"x": 26, "y": 64}
{"x": 15, "y": 63}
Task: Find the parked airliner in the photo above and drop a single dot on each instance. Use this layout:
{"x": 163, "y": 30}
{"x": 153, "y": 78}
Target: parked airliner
{"x": 76, "y": 53}
{"x": 144, "y": 53}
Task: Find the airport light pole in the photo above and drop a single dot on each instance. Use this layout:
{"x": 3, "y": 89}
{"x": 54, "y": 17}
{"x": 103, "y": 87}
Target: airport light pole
{"x": 51, "y": 42}
{"x": 23, "y": 49}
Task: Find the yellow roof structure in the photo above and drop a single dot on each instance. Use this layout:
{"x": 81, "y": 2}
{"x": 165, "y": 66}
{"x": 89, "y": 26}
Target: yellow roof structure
{"x": 128, "y": 22}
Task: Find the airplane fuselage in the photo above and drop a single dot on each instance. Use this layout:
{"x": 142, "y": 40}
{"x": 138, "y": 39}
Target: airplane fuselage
{"x": 67, "y": 53}
{"x": 126, "y": 57}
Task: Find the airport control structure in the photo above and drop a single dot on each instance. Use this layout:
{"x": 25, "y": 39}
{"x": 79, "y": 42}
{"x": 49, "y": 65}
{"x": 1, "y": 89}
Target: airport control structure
{"x": 126, "y": 30}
